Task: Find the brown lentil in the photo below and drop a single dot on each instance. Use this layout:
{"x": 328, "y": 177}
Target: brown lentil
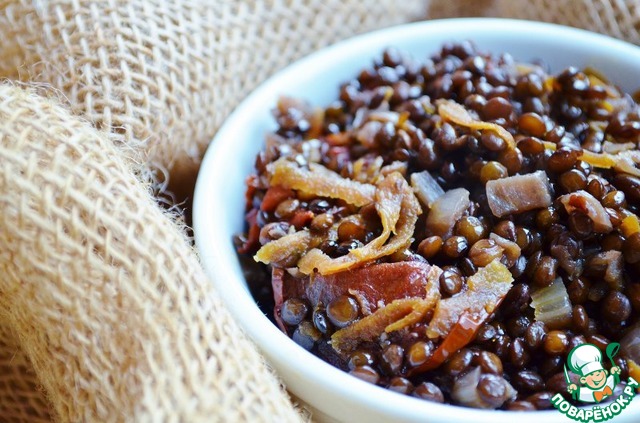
{"x": 391, "y": 358}
{"x": 556, "y": 342}
{"x": 492, "y": 389}
{"x": 306, "y": 335}
{"x": 471, "y": 228}
{"x": 572, "y": 180}
{"x": 580, "y": 319}
{"x": 541, "y": 400}
{"x": 518, "y": 354}
{"x": 601, "y": 271}
{"x": 528, "y": 381}
{"x": 430, "y": 246}
{"x": 342, "y": 311}
{"x": 428, "y": 391}
{"x": 488, "y": 362}
{"x": 451, "y": 280}
{"x": 360, "y": 358}
{"x": 455, "y": 246}
{"x": 366, "y": 373}
{"x": 401, "y": 385}
{"x": 535, "y": 334}
{"x": 545, "y": 271}
{"x": 493, "y": 170}
{"x": 459, "y": 362}
{"x": 294, "y": 310}
{"x": 616, "y": 307}
{"x": 484, "y": 252}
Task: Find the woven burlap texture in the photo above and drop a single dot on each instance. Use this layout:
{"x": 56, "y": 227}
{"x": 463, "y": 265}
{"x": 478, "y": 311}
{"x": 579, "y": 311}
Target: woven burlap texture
{"x": 617, "y": 18}
{"x": 161, "y": 76}
{"x": 105, "y": 295}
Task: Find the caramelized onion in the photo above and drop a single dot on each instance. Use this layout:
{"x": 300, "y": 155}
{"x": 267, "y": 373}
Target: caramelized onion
{"x": 512, "y": 250}
{"x": 451, "y": 111}
{"x": 283, "y": 249}
{"x": 626, "y": 162}
{"x": 320, "y": 181}
{"x": 630, "y": 225}
{"x": 403, "y": 229}
{"x": 394, "y": 316}
{"x": 599, "y": 160}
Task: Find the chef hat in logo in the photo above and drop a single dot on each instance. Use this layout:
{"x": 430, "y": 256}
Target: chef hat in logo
{"x": 585, "y": 359}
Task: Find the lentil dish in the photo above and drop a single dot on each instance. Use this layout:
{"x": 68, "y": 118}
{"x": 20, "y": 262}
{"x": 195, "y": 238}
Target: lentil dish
{"x": 450, "y": 228}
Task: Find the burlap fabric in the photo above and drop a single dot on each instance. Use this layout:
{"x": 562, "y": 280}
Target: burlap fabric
{"x": 617, "y": 18}
{"x": 160, "y": 76}
{"x": 105, "y": 314}
{"x": 102, "y": 290}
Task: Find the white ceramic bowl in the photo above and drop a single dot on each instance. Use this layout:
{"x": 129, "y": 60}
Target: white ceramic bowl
{"x": 219, "y": 196}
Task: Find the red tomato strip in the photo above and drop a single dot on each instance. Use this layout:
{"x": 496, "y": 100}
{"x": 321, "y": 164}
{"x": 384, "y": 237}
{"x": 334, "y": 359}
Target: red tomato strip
{"x": 274, "y": 196}
{"x": 461, "y": 334}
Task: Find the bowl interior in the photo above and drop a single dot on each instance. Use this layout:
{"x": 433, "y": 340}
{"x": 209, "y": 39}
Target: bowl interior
{"x": 219, "y": 195}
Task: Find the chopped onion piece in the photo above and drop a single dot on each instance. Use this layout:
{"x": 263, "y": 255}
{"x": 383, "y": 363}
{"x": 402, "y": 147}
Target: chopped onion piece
{"x": 607, "y": 265}
{"x": 634, "y": 369}
{"x": 426, "y": 188}
{"x": 384, "y": 116}
{"x": 601, "y": 160}
{"x": 551, "y": 305}
{"x": 446, "y": 211}
{"x": 586, "y": 203}
{"x": 519, "y": 193}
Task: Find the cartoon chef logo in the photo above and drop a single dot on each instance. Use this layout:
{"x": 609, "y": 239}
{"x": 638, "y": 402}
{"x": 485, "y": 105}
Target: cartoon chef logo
{"x": 597, "y": 383}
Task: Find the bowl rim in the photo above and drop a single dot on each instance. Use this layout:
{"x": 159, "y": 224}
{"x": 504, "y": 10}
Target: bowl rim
{"x": 230, "y": 285}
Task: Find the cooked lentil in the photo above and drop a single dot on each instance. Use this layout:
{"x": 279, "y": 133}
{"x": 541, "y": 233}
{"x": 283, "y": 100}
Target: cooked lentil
{"x": 398, "y": 117}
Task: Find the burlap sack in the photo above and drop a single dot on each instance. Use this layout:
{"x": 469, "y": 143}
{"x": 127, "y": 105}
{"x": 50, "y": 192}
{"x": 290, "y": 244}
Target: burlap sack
{"x": 106, "y": 297}
{"x": 160, "y": 76}
{"x": 617, "y": 18}
{"x": 21, "y": 398}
